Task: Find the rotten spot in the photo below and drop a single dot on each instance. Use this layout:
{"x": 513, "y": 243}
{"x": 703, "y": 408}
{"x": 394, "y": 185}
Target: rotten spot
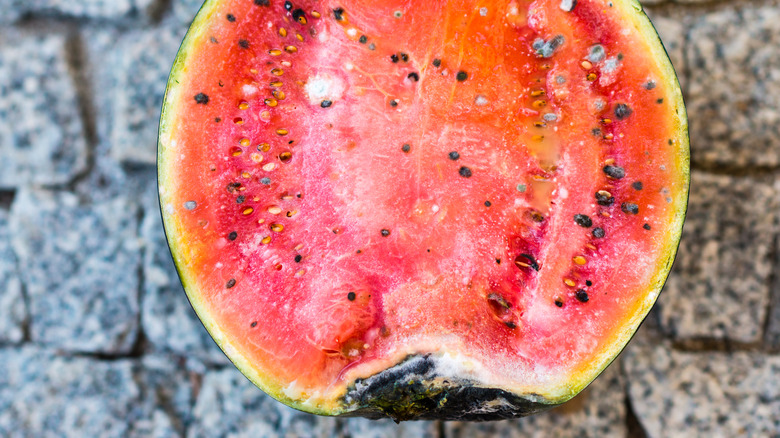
{"x": 583, "y": 220}
{"x": 622, "y": 111}
{"x": 604, "y": 198}
{"x": 546, "y": 49}
{"x": 465, "y": 172}
{"x": 629, "y": 208}
{"x": 582, "y": 296}
{"x": 265, "y": 181}
{"x": 190, "y": 205}
{"x": 527, "y": 261}
{"x": 201, "y": 98}
{"x": 615, "y": 172}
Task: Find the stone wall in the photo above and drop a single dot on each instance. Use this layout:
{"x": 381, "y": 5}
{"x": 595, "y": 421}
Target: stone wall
{"x": 97, "y": 338}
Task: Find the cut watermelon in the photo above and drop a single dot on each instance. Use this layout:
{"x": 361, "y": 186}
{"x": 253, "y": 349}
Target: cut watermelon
{"x": 441, "y": 209}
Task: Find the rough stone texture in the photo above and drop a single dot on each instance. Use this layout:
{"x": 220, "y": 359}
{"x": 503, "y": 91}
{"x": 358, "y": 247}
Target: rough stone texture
{"x": 671, "y": 29}
{"x": 80, "y": 267}
{"x": 12, "y": 308}
{"x": 719, "y": 287}
{"x": 230, "y": 405}
{"x": 734, "y": 90}
{"x": 133, "y": 69}
{"x": 184, "y": 10}
{"x": 91, "y": 9}
{"x": 41, "y": 135}
{"x": 599, "y": 411}
{"x": 46, "y": 394}
{"x": 681, "y": 394}
{"x": 363, "y": 428}
{"x": 169, "y": 322}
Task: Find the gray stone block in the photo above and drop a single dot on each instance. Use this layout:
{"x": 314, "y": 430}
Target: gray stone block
{"x": 671, "y": 28}
{"x": 90, "y": 9}
{"x": 707, "y": 394}
{"x": 131, "y": 70}
{"x": 230, "y": 405}
{"x": 719, "y": 286}
{"x": 169, "y": 322}
{"x": 386, "y": 428}
{"x": 733, "y": 94}
{"x": 80, "y": 265}
{"x": 185, "y": 10}
{"x": 12, "y": 307}
{"x": 599, "y": 411}
{"x": 166, "y": 397}
{"x": 41, "y": 133}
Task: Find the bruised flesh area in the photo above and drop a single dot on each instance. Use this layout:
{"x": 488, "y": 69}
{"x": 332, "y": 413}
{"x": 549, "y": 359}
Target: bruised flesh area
{"x": 496, "y": 187}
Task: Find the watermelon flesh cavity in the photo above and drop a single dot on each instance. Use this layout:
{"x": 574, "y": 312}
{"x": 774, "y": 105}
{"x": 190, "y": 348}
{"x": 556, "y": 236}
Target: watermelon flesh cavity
{"x": 440, "y": 209}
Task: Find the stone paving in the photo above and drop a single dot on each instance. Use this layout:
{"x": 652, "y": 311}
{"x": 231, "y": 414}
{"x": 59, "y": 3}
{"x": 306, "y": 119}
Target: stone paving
{"x": 96, "y": 335}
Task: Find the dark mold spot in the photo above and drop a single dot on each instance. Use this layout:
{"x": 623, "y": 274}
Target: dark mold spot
{"x": 637, "y": 185}
{"x": 454, "y": 155}
{"x": 629, "y": 208}
{"x": 233, "y": 235}
{"x": 461, "y": 76}
{"x": 598, "y": 233}
{"x": 581, "y": 295}
{"x": 230, "y": 283}
{"x": 465, "y": 172}
{"x": 546, "y": 49}
{"x": 201, "y": 98}
{"x": 622, "y": 111}
{"x": 244, "y": 44}
{"x": 583, "y": 220}
{"x": 615, "y": 172}
{"x": 604, "y": 198}
{"x": 326, "y": 103}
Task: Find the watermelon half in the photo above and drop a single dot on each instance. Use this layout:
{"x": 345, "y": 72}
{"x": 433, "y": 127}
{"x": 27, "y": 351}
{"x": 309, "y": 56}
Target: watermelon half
{"x": 452, "y": 209}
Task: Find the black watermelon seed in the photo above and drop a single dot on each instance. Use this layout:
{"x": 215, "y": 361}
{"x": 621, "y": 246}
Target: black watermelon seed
{"x": 581, "y": 296}
{"x": 615, "y": 172}
{"x": 406, "y": 147}
{"x": 288, "y": 5}
{"x": 351, "y": 296}
{"x": 637, "y": 185}
{"x": 338, "y": 13}
{"x": 385, "y": 232}
{"x": 527, "y": 259}
{"x": 240, "y": 199}
{"x": 646, "y": 226}
{"x": 244, "y": 44}
{"x": 454, "y": 155}
{"x": 232, "y": 187}
{"x": 629, "y": 208}
{"x": 413, "y": 76}
{"x": 230, "y": 283}
{"x": 363, "y": 39}
{"x": 299, "y": 16}
{"x": 326, "y": 103}
{"x": 254, "y": 324}
{"x": 265, "y": 181}
{"x": 559, "y": 303}
{"x": 604, "y": 199}
{"x": 461, "y": 76}
{"x": 622, "y": 111}
{"x": 598, "y": 233}
{"x": 394, "y": 58}
{"x": 465, "y": 172}
{"x": 233, "y": 235}
{"x": 588, "y": 283}
{"x": 510, "y": 324}
{"x": 583, "y": 220}
{"x": 437, "y": 62}
{"x": 488, "y": 203}
{"x": 298, "y": 258}
{"x": 404, "y": 57}
{"x": 201, "y": 98}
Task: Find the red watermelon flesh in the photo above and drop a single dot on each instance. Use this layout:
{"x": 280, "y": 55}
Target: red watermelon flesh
{"x": 441, "y": 209}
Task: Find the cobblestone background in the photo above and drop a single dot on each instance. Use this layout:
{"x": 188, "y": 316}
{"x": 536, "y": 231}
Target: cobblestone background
{"x": 98, "y": 340}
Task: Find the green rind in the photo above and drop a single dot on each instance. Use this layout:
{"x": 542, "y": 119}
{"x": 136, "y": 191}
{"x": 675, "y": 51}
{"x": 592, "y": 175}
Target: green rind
{"x": 528, "y": 403}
